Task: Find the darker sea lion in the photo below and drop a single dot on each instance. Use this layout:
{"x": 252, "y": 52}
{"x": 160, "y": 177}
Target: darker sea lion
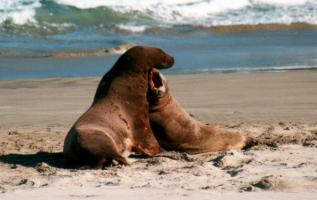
{"x": 176, "y": 130}
{"x": 117, "y": 122}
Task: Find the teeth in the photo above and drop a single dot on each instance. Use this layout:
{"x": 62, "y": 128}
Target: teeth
{"x": 162, "y": 89}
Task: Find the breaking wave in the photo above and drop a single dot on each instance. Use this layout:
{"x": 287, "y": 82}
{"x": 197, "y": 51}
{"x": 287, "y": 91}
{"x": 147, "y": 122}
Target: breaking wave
{"x": 58, "y": 16}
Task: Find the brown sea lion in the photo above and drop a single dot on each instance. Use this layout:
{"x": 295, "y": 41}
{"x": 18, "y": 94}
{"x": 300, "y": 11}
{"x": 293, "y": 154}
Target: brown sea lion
{"x": 117, "y": 122}
{"x": 176, "y": 130}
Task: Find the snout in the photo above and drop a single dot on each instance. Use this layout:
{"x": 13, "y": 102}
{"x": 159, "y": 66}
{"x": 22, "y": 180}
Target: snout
{"x": 170, "y": 61}
{"x": 167, "y": 63}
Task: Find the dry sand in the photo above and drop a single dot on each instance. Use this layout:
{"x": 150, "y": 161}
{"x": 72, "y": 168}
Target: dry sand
{"x": 276, "y": 111}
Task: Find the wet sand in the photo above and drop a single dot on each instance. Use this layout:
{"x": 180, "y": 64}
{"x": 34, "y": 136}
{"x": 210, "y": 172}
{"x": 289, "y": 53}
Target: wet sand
{"x": 276, "y": 111}
{"x": 234, "y": 29}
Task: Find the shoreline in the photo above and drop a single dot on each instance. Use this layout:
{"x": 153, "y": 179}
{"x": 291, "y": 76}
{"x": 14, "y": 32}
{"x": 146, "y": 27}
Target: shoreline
{"x": 226, "y": 96}
{"x": 190, "y": 32}
{"x": 267, "y": 27}
{"x": 110, "y": 59}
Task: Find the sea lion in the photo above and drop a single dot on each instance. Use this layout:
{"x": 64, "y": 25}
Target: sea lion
{"x": 176, "y": 130}
{"x": 117, "y": 122}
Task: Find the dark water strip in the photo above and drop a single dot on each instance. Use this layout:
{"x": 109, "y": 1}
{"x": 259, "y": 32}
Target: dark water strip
{"x": 199, "y": 52}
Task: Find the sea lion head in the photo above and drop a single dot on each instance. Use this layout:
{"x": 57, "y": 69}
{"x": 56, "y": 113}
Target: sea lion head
{"x": 157, "y": 58}
{"x": 158, "y": 87}
{"x": 158, "y": 94}
{"x": 145, "y": 58}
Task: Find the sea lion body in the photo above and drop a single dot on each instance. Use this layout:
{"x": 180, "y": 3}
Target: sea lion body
{"x": 117, "y": 122}
{"x": 176, "y": 130}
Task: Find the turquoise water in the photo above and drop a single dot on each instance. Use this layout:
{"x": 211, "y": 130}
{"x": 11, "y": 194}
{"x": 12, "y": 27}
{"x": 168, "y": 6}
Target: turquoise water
{"x": 31, "y": 29}
{"x": 193, "y": 54}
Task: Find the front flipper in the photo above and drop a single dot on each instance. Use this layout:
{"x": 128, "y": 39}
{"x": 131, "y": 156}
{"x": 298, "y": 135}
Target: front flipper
{"x": 146, "y": 143}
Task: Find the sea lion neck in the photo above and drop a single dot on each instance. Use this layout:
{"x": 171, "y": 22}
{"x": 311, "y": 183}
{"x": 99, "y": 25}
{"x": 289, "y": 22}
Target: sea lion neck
{"x": 159, "y": 103}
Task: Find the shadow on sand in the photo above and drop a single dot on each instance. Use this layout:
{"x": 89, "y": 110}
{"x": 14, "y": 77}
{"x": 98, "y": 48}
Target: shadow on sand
{"x": 33, "y": 160}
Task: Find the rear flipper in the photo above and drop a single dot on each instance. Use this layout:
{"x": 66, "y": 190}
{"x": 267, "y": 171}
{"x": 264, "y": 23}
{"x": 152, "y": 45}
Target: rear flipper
{"x": 98, "y": 148}
{"x": 220, "y": 140}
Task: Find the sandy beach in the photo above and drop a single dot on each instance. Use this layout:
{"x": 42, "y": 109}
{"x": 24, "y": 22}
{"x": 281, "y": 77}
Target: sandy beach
{"x": 241, "y": 65}
{"x": 276, "y": 111}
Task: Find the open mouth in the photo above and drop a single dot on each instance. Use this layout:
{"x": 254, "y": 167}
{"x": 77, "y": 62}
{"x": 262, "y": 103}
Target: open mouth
{"x": 156, "y": 79}
{"x": 157, "y": 83}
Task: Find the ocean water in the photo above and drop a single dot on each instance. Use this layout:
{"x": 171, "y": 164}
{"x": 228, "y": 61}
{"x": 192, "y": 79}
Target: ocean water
{"x": 204, "y": 36}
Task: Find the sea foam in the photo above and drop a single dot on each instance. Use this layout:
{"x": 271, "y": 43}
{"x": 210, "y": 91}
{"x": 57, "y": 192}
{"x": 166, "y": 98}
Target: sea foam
{"x": 211, "y": 12}
{"x": 159, "y": 12}
{"x": 19, "y": 11}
